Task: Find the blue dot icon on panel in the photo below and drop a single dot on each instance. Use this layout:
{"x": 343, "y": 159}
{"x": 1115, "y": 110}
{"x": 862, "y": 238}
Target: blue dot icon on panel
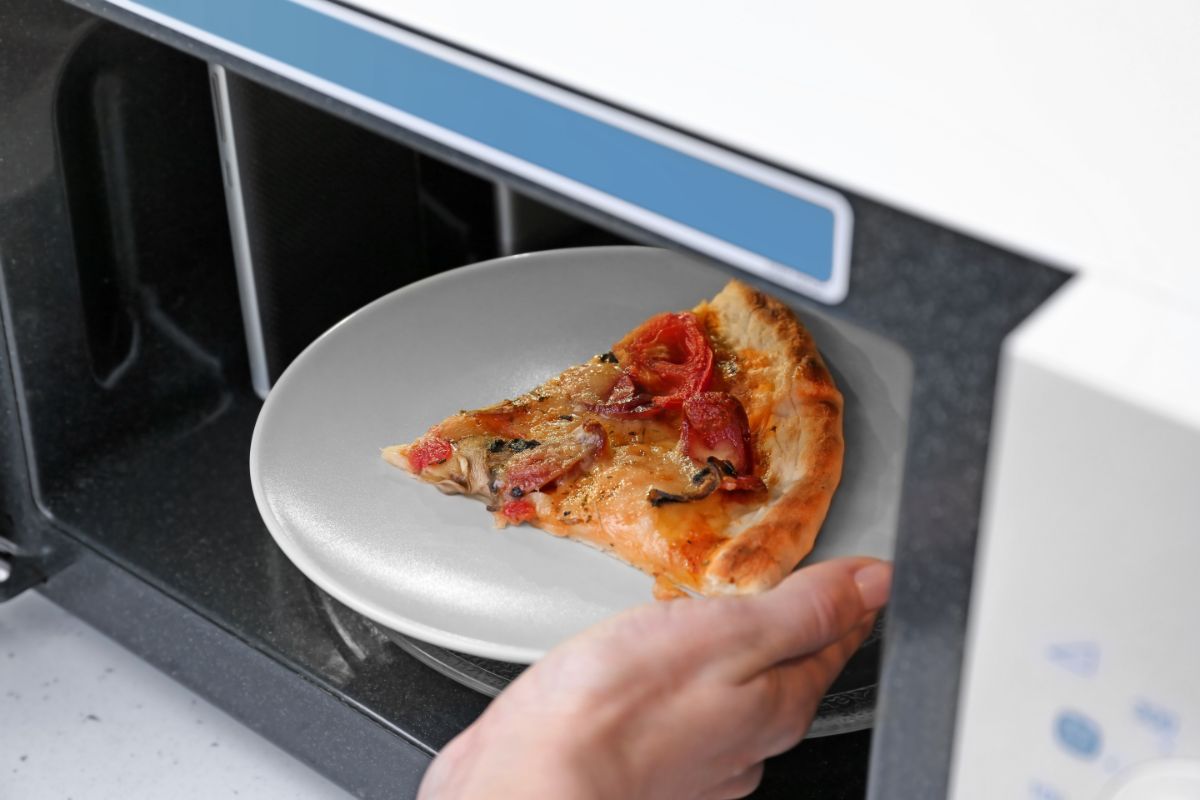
{"x": 1044, "y": 791}
{"x": 1159, "y": 719}
{"x": 1077, "y": 734}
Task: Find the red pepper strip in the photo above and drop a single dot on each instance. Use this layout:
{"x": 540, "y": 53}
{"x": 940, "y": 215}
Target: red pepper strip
{"x": 625, "y": 401}
{"x": 550, "y": 460}
{"x": 430, "y": 449}
{"x": 715, "y": 426}
{"x": 742, "y": 483}
{"x": 641, "y": 408}
{"x": 518, "y": 510}
{"x": 624, "y": 391}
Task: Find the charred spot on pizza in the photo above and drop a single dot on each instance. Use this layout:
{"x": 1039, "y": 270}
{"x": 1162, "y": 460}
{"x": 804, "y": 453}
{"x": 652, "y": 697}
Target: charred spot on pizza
{"x": 758, "y": 300}
{"x": 496, "y": 446}
{"x": 815, "y": 372}
{"x": 567, "y": 417}
{"x": 521, "y": 445}
{"x": 608, "y": 358}
{"x": 828, "y": 408}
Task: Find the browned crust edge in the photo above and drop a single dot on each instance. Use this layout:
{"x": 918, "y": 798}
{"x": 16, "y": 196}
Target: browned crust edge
{"x": 761, "y": 555}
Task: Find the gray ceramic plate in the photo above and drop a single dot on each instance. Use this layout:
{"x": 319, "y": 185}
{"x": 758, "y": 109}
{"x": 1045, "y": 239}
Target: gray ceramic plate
{"x": 432, "y": 566}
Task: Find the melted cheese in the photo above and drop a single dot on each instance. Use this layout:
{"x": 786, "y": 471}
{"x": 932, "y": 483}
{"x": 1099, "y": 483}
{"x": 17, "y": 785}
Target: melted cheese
{"x": 606, "y": 504}
{"x": 602, "y": 496}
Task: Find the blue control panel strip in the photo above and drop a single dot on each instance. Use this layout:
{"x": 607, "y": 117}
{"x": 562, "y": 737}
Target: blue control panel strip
{"x": 764, "y": 220}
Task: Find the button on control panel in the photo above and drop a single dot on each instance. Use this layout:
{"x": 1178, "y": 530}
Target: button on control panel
{"x": 1168, "y": 779}
{"x": 1078, "y": 734}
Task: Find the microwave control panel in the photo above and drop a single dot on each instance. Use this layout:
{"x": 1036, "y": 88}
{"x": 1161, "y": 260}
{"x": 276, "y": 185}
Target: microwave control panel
{"x": 1082, "y": 675}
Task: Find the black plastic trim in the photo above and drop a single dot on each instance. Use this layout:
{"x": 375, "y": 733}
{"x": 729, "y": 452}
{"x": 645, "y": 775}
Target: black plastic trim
{"x": 311, "y": 723}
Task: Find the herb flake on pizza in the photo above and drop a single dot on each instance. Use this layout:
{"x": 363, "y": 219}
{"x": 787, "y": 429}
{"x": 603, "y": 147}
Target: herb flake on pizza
{"x": 703, "y": 449}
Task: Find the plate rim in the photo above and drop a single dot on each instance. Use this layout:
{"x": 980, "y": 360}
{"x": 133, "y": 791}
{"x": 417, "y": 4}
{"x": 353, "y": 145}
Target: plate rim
{"x": 309, "y": 567}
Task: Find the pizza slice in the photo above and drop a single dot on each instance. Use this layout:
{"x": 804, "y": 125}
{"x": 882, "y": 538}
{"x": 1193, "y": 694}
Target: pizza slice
{"x": 704, "y": 448}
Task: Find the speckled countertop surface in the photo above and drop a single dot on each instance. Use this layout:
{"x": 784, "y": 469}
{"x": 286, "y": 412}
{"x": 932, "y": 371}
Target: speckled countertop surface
{"x": 83, "y": 718}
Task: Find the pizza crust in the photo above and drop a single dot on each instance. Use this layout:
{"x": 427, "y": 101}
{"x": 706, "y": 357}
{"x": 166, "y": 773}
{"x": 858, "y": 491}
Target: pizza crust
{"x": 797, "y": 427}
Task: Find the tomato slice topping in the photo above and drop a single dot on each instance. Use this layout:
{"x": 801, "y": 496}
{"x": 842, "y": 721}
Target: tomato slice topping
{"x": 715, "y": 426}
{"x": 666, "y": 360}
{"x": 431, "y": 449}
{"x": 668, "y": 356}
{"x": 518, "y": 510}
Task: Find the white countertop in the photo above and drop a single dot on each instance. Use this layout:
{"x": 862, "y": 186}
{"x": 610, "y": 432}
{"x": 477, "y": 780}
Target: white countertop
{"x": 83, "y": 718}
{"x": 1065, "y": 129}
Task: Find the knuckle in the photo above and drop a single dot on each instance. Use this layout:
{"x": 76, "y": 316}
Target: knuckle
{"x": 731, "y": 623}
{"x": 782, "y": 704}
{"x": 746, "y": 782}
{"x": 767, "y": 694}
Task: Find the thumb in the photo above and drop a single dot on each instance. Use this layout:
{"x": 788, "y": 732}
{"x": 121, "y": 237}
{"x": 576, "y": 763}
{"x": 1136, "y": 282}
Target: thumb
{"x": 810, "y": 610}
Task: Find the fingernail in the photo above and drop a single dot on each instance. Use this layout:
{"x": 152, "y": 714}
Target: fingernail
{"x": 874, "y": 584}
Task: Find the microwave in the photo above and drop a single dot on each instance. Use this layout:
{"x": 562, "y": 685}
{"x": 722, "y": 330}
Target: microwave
{"x": 193, "y": 191}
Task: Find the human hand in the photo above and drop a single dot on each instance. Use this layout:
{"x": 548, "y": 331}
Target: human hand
{"x": 680, "y": 699}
